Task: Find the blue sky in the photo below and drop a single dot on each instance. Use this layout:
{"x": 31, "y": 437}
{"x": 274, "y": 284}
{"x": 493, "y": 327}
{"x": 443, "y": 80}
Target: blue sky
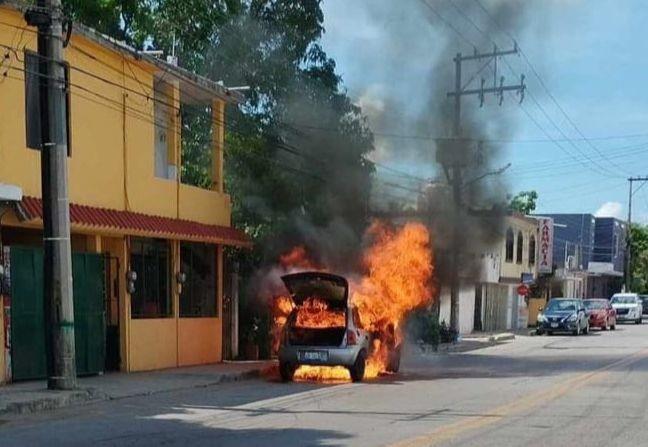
{"x": 590, "y": 54}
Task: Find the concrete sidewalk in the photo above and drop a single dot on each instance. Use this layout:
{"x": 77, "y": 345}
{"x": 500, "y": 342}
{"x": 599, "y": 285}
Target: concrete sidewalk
{"x": 30, "y": 397}
{"x": 471, "y": 342}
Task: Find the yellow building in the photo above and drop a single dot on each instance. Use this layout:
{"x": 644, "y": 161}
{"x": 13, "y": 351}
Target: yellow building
{"x": 519, "y": 249}
{"x": 127, "y": 199}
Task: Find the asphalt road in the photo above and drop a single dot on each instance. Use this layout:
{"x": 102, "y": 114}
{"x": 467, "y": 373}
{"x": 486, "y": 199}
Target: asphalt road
{"x": 542, "y": 391}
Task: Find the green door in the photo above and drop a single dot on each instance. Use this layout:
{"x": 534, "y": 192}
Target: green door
{"x": 27, "y": 323}
{"x": 89, "y": 324}
{"x": 27, "y": 320}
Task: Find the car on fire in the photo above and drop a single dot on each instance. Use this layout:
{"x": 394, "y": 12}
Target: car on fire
{"x": 338, "y": 340}
{"x": 628, "y": 307}
{"x": 601, "y": 313}
{"x": 564, "y": 315}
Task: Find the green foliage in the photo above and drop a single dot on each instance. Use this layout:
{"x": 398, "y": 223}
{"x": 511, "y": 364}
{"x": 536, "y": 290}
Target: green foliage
{"x": 524, "y": 202}
{"x": 639, "y": 259}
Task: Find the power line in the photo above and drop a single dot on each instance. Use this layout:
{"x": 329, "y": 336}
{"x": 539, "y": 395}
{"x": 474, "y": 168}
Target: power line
{"x": 542, "y": 83}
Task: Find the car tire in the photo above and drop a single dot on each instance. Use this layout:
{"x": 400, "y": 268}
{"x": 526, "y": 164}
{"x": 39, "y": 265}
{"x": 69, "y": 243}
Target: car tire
{"x": 638, "y": 321}
{"x": 357, "y": 371}
{"x": 287, "y": 371}
{"x": 393, "y": 365}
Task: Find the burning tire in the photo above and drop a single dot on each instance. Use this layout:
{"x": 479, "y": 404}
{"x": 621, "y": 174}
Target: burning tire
{"x": 357, "y": 371}
{"x": 287, "y": 371}
{"x": 393, "y": 364}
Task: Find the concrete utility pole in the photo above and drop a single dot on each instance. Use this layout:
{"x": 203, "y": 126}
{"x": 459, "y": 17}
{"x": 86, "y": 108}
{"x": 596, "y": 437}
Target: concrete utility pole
{"x": 628, "y": 254}
{"x": 455, "y": 165}
{"x": 59, "y": 307}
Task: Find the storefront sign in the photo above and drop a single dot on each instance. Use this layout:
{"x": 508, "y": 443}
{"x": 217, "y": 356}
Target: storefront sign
{"x": 545, "y": 249}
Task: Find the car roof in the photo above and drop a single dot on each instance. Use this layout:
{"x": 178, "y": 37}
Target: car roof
{"x": 565, "y": 299}
{"x": 625, "y": 294}
{"x": 595, "y": 299}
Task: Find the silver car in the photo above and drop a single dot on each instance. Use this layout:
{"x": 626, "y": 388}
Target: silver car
{"x": 342, "y": 344}
{"x": 628, "y": 306}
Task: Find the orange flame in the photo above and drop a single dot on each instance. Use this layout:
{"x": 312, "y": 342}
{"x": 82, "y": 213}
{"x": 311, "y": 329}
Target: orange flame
{"x": 399, "y": 266}
{"x": 315, "y": 313}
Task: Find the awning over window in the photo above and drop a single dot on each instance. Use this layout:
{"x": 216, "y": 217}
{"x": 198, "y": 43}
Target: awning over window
{"x": 128, "y": 222}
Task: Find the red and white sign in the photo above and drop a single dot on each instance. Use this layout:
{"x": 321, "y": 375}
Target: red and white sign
{"x": 523, "y": 290}
{"x": 545, "y": 247}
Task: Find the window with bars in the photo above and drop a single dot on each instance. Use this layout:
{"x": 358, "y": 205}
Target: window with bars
{"x": 199, "y": 292}
{"x": 151, "y": 260}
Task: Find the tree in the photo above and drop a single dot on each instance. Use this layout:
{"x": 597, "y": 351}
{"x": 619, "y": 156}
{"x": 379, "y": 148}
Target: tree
{"x": 524, "y": 202}
{"x": 639, "y": 267}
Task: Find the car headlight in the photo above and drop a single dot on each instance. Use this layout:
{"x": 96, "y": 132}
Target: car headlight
{"x": 572, "y": 317}
{"x": 541, "y": 318}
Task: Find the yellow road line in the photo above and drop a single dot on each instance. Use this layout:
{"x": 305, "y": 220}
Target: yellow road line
{"x": 450, "y": 431}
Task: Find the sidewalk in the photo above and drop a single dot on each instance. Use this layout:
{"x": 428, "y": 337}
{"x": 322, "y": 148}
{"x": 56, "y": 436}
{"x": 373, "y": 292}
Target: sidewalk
{"x": 29, "y": 397}
{"x": 471, "y": 342}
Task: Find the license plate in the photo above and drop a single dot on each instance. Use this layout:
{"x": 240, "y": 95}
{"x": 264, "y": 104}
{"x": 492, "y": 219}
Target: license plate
{"x": 314, "y": 356}
{"x": 554, "y": 324}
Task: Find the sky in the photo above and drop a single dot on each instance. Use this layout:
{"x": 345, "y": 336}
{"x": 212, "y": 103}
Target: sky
{"x": 587, "y": 104}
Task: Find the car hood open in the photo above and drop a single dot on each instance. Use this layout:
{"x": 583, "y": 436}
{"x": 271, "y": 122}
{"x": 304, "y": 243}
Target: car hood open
{"x": 327, "y": 286}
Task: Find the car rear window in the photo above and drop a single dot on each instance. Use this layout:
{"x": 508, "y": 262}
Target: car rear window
{"x": 561, "y": 305}
{"x": 621, "y": 299}
{"x": 594, "y": 304}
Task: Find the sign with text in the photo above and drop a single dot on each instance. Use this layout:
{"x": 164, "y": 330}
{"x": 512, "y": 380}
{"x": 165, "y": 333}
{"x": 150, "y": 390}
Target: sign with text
{"x": 545, "y": 247}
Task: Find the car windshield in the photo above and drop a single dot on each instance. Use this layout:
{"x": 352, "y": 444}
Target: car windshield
{"x": 594, "y": 304}
{"x": 620, "y": 299}
{"x": 561, "y": 306}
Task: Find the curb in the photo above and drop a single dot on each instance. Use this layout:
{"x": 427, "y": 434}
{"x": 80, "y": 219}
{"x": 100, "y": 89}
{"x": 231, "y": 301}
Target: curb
{"x": 64, "y": 399}
{"x": 501, "y": 337}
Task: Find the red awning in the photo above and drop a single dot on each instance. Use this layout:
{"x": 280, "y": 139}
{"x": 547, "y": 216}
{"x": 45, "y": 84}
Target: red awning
{"x": 128, "y": 222}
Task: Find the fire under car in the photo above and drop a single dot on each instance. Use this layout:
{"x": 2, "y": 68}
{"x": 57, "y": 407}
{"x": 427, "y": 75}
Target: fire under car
{"x": 324, "y": 330}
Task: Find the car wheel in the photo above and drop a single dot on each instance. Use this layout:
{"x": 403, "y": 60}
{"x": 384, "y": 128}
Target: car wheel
{"x": 638, "y": 321}
{"x": 549, "y": 333}
{"x": 358, "y": 369}
{"x": 287, "y": 371}
{"x": 394, "y": 360}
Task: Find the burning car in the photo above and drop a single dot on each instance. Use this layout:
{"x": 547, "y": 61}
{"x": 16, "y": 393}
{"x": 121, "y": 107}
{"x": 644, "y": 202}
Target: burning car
{"x": 323, "y": 329}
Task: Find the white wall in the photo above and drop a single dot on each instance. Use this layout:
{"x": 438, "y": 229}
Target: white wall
{"x": 466, "y": 307}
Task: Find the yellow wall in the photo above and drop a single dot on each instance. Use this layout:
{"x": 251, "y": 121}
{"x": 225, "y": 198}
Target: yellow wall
{"x": 153, "y": 344}
{"x": 199, "y": 341}
{"x": 112, "y": 161}
{"x": 528, "y": 228}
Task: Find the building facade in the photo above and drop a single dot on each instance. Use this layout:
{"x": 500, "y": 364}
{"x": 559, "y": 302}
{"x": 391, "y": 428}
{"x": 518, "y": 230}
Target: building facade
{"x": 589, "y": 255}
{"x": 152, "y": 240}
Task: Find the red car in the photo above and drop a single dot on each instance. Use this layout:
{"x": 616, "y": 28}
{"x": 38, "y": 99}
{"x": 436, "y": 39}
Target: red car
{"x": 601, "y": 313}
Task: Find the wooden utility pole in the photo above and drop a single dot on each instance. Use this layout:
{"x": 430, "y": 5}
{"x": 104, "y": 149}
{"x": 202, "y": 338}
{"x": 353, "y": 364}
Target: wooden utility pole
{"x": 628, "y": 254}
{"x": 452, "y": 162}
{"x": 47, "y": 15}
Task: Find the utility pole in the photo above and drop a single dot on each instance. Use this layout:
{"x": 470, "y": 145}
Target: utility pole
{"x": 452, "y": 163}
{"x": 59, "y": 307}
{"x": 628, "y": 254}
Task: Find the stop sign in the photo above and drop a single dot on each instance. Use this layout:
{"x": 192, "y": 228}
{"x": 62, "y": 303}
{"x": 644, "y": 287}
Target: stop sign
{"x": 523, "y": 290}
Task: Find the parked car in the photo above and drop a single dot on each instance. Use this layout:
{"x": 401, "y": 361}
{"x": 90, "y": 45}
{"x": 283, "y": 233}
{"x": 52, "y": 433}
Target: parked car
{"x": 628, "y": 307}
{"x": 601, "y": 313}
{"x": 341, "y": 343}
{"x": 564, "y": 315}
{"x": 644, "y": 303}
